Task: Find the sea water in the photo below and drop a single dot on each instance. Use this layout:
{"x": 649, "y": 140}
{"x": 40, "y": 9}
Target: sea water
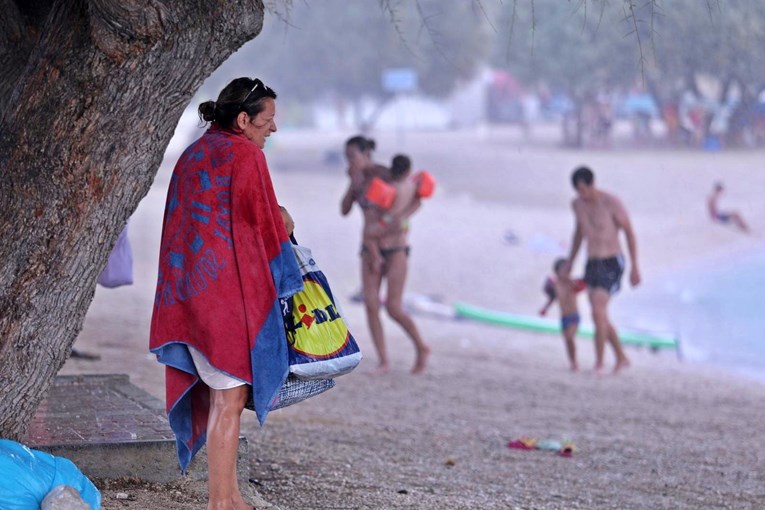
{"x": 716, "y": 309}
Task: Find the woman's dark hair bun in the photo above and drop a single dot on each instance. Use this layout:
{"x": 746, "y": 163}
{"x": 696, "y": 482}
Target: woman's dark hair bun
{"x": 207, "y": 111}
{"x": 362, "y": 143}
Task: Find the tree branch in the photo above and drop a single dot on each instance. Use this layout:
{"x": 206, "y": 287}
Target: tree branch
{"x": 433, "y": 34}
{"x": 512, "y": 28}
{"x": 632, "y": 15}
{"x": 386, "y": 6}
{"x": 485, "y": 15}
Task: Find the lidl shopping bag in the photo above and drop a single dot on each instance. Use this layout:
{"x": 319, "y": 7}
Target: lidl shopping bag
{"x": 320, "y": 344}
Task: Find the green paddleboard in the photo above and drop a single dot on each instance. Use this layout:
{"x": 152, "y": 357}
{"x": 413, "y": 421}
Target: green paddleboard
{"x": 529, "y": 323}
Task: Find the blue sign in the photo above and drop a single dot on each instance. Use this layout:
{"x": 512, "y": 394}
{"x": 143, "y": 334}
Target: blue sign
{"x": 399, "y": 79}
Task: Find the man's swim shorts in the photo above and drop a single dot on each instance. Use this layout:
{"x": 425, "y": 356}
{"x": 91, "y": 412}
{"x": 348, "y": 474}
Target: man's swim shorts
{"x": 605, "y": 273}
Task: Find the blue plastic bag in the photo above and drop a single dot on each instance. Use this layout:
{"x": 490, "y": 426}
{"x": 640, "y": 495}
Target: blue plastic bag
{"x": 28, "y": 475}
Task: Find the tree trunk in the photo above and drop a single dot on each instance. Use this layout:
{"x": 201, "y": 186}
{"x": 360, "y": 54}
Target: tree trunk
{"x": 91, "y": 93}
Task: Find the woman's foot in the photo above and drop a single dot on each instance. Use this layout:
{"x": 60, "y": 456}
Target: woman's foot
{"x": 422, "y": 360}
{"x": 240, "y": 504}
{"x": 235, "y": 503}
{"x": 621, "y": 365}
{"x": 382, "y": 369}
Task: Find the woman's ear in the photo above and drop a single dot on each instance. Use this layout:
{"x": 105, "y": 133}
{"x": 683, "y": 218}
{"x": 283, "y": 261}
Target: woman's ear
{"x": 241, "y": 120}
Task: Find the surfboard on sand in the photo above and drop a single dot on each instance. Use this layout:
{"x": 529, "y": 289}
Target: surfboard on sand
{"x": 531, "y": 323}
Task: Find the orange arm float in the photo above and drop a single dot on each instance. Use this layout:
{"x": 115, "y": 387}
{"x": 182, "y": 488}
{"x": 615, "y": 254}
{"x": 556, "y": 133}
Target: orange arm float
{"x": 426, "y": 184}
{"x": 380, "y": 193}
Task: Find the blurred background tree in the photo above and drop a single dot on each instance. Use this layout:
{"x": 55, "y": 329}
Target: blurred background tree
{"x": 339, "y": 50}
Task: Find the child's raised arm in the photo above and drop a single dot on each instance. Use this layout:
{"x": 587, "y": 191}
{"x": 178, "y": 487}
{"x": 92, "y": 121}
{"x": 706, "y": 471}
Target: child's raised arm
{"x": 549, "y": 290}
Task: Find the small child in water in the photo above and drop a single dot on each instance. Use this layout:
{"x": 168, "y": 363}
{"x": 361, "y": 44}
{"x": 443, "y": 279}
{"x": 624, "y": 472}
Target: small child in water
{"x": 564, "y": 289}
{"x": 406, "y": 201}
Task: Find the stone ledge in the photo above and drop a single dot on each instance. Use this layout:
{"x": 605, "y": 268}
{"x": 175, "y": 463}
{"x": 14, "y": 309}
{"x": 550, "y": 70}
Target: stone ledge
{"x": 110, "y": 428}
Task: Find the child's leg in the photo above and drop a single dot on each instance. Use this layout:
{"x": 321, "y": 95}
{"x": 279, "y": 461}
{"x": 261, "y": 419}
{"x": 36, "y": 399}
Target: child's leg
{"x": 569, "y": 335}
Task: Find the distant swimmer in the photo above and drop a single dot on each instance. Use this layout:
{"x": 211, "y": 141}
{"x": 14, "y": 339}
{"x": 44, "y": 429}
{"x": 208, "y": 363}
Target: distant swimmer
{"x": 724, "y": 217}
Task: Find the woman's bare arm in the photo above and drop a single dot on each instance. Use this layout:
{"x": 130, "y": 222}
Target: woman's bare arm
{"x": 347, "y": 202}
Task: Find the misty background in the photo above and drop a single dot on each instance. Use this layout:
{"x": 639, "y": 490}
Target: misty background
{"x": 682, "y": 73}
{"x": 531, "y": 89}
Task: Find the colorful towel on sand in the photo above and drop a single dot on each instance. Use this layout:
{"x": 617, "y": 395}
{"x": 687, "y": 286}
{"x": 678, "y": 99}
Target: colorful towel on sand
{"x": 225, "y": 260}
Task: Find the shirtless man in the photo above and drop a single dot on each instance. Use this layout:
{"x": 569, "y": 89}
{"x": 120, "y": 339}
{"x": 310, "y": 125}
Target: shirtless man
{"x": 599, "y": 217}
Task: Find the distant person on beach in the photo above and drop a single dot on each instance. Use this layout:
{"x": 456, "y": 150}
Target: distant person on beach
{"x": 724, "y": 217}
{"x": 225, "y": 260}
{"x": 599, "y": 218}
{"x": 564, "y": 289}
{"x": 393, "y": 250}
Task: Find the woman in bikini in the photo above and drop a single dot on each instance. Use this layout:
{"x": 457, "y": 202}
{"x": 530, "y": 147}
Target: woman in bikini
{"x": 393, "y": 250}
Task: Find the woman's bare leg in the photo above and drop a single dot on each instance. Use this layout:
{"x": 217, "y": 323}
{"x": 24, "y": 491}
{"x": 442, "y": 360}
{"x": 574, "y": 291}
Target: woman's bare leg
{"x": 370, "y": 286}
{"x": 226, "y": 408}
{"x": 397, "y": 265}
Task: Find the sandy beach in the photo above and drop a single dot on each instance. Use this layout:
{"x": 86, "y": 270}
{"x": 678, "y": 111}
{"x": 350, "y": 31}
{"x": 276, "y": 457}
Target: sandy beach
{"x": 665, "y": 434}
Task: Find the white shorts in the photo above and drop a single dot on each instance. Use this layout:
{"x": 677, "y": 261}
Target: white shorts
{"x": 210, "y": 375}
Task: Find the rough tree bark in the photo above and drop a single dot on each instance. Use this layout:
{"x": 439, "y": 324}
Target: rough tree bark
{"x": 90, "y": 93}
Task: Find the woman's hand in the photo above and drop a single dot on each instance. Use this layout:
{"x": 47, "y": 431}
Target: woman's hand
{"x": 347, "y": 202}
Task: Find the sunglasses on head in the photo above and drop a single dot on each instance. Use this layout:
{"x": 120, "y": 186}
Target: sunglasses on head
{"x": 258, "y": 83}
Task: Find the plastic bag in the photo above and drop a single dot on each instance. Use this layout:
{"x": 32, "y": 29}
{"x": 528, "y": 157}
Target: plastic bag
{"x": 320, "y": 345}
{"x": 294, "y": 390}
{"x": 119, "y": 267}
{"x": 63, "y": 497}
{"x": 29, "y": 475}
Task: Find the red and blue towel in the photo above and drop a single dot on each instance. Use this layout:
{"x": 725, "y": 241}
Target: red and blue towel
{"x": 225, "y": 260}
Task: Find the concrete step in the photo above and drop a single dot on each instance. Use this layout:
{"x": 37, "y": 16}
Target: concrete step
{"x": 110, "y": 429}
